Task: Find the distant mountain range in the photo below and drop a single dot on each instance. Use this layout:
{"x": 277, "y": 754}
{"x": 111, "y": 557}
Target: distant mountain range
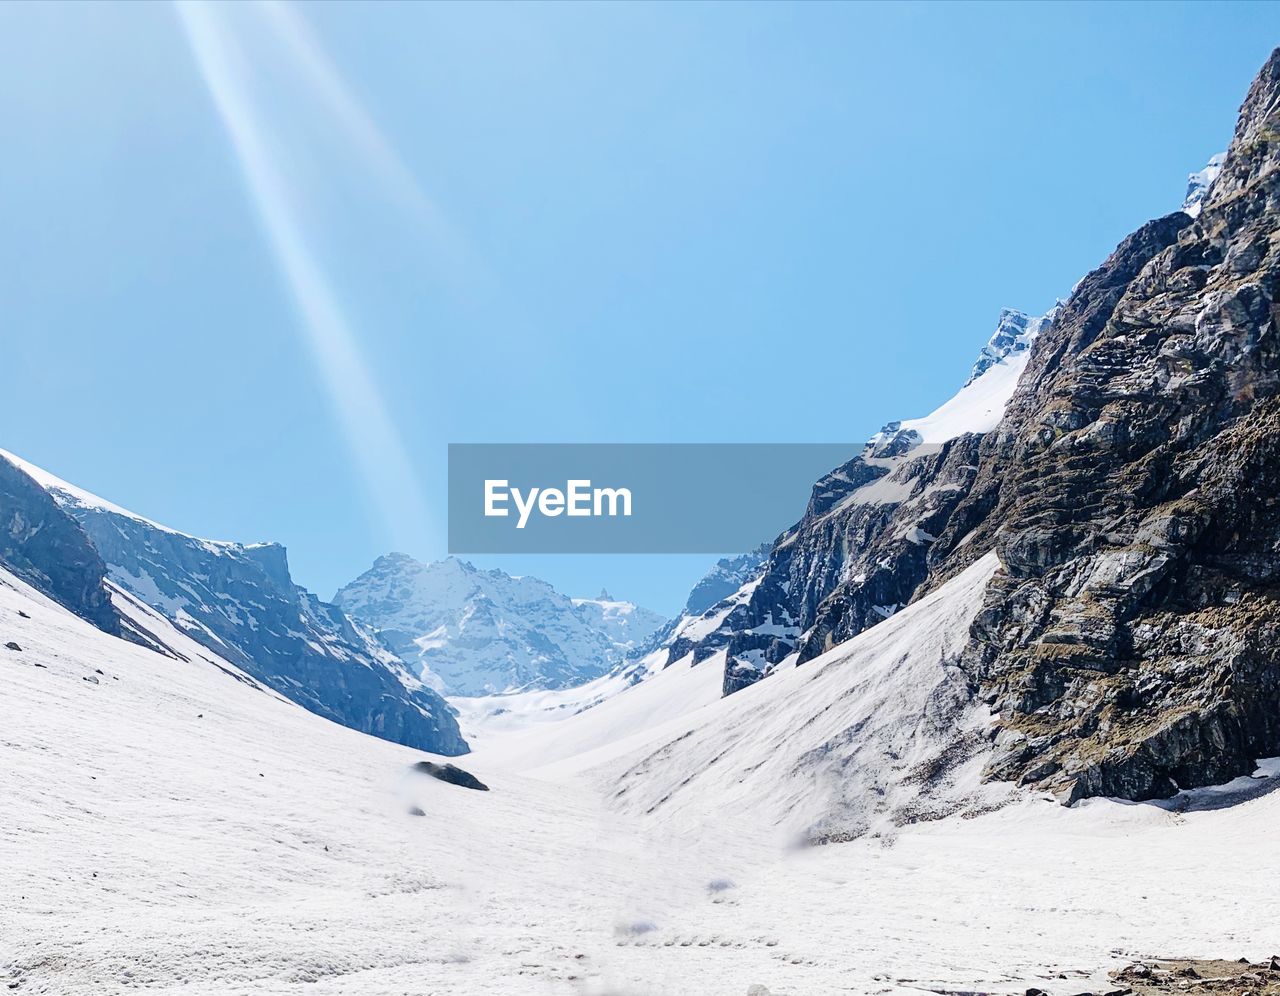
{"x": 471, "y": 632}
{"x": 378, "y": 659}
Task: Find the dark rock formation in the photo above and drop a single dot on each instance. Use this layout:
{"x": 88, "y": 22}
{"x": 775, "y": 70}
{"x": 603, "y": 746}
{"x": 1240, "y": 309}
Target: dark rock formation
{"x": 45, "y": 547}
{"x": 1235, "y": 978}
{"x": 1129, "y": 642}
{"x": 452, "y": 774}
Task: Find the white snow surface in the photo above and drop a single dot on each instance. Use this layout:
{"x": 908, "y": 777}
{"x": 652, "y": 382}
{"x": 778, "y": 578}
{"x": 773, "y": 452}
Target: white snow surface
{"x": 905, "y": 740}
{"x": 519, "y": 737}
{"x": 624, "y": 623}
{"x": 976, "y": 407}
{"x": 168, "y": 827}
{"x": 1198, "y": 184}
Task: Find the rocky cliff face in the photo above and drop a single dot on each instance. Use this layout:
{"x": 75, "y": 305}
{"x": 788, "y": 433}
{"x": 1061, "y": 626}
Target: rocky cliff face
{"x": 703, "y": 625}
{"x": 1128, "y": 486}
{"x": 240, "y": 602}
{"x": 1128, "y": 643}
{"x": 45, "y": 547}
{"x": 473, "y": 632}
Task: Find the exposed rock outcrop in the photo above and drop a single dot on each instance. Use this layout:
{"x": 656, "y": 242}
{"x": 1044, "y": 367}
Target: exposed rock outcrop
{"x": 726, "y": 577}
{"x": 452, "y": 774}
{"x": 1129, "y": 643}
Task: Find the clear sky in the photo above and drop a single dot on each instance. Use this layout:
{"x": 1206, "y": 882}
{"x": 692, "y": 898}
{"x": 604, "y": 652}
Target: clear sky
{"x": 259, "y": 265}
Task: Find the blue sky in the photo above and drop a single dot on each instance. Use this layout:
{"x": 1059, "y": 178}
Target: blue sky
{"x": 547, "y": 223}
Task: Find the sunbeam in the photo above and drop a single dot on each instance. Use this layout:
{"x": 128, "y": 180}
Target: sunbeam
{"x": 370, "y": 432}
{"x": 294, "y": 32}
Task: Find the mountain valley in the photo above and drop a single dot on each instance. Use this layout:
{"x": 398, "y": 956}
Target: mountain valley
{"x": 999, "y": 714}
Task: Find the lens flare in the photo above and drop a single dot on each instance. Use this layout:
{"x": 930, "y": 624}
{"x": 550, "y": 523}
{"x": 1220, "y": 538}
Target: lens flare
{"x": 369, "y": 430}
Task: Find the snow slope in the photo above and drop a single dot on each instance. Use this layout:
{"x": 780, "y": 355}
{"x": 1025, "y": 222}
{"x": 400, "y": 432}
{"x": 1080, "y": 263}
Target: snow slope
{"x": 976, "y": 407}
{"x": 165, "y": 825}
{"x": 878, "y": 731}
{"x": 534, "y": 729}
{"x": 979, "y": 405}
{"x": 173, "y": 828}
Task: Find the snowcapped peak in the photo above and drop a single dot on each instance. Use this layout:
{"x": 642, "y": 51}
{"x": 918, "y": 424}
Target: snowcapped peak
{"x": 444, "y": 571}
{"x": 393, "y": 559}
{"x": 469, "y": 631}
{"x": 1015, "y": 332}
{"x": 980, "y": 403}
{"x": 1198, "y": 184}
{"x": 604, "y": 596}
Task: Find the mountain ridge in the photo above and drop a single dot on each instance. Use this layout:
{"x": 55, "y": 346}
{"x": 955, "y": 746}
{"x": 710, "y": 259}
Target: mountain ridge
{"x": 468, "y": 631}
{"x": 239, "y": 601}
{"x": 1123, "y": 643}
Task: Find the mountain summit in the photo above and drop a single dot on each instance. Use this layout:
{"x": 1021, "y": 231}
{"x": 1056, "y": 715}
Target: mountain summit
{"x": 473, "y": 632}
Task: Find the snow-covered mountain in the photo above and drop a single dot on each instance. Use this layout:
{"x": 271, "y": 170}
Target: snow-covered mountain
{"x": 239, "y": 601}
{"x": 979, "y": 404}
{"x": 471, "y": 632}
{"x": 725, "y": 577}
{"x": 625, "y": 624}
{"x": 864, "y": 547}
